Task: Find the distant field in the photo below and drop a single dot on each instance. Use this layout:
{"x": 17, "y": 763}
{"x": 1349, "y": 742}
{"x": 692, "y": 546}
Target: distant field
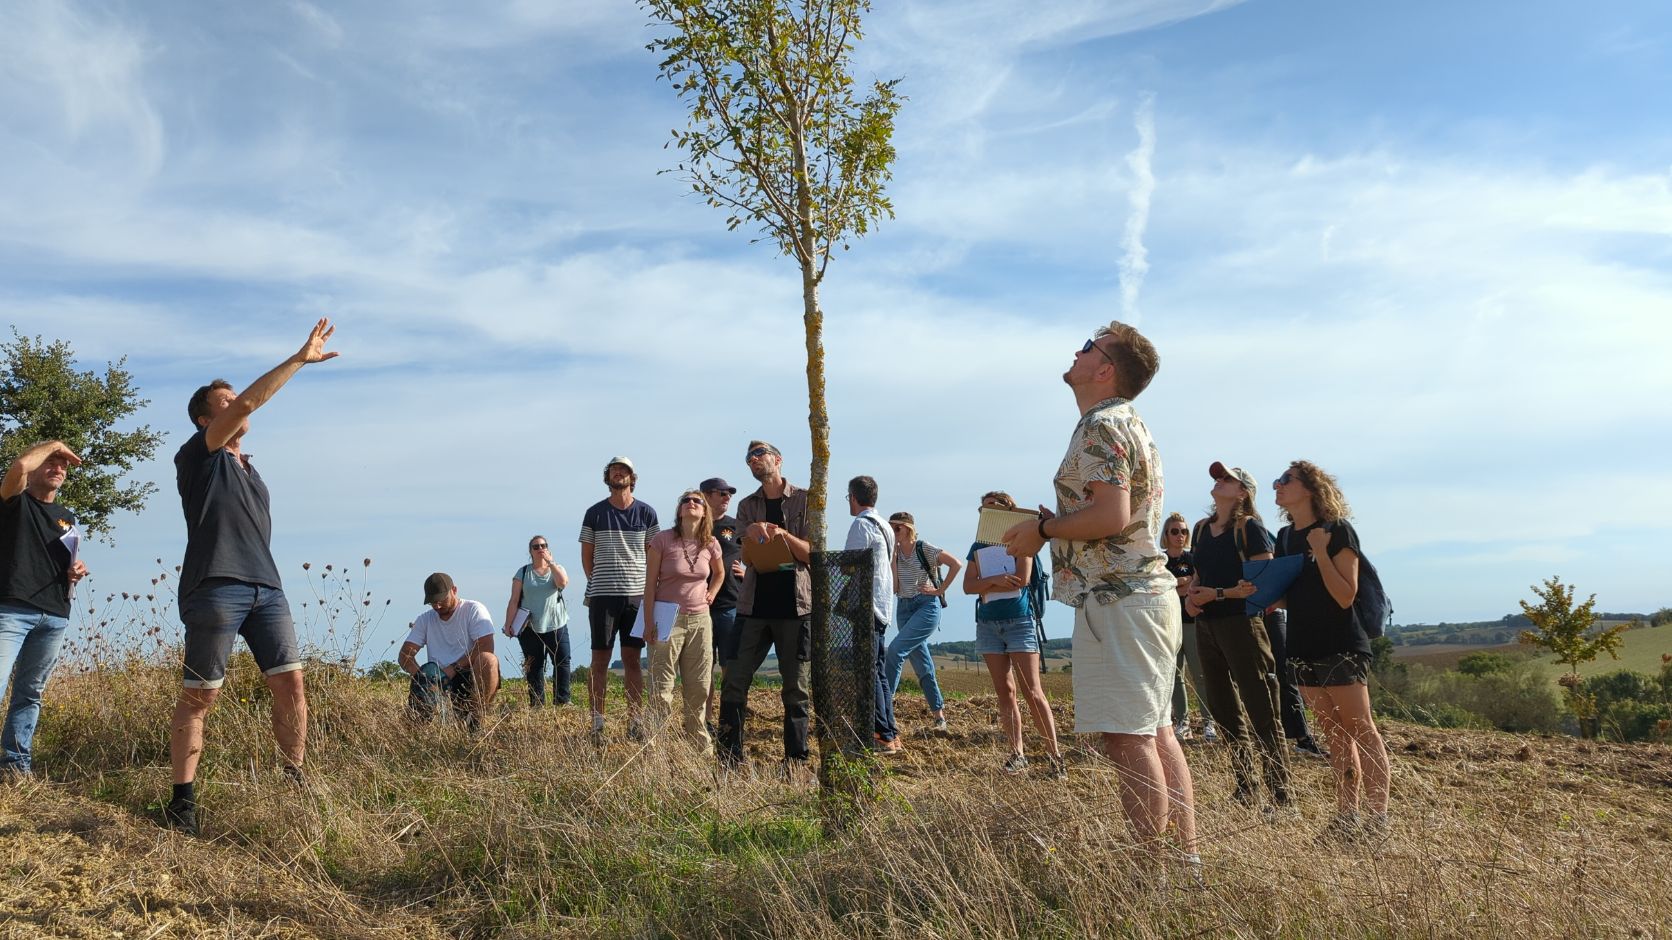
{"x": 1641, "y": 653}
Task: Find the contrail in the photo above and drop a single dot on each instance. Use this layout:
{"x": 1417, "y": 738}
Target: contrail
{"x": 1134, "y": 263}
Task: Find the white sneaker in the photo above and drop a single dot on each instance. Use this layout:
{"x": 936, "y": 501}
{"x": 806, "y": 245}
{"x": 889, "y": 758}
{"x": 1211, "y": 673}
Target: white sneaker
{"x": 1182, "y": 731}
{"x": 1210, "y": 734}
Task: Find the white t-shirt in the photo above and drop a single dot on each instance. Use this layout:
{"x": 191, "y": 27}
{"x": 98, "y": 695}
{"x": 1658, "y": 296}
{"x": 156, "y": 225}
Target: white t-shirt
{"x": 448, "y": 640}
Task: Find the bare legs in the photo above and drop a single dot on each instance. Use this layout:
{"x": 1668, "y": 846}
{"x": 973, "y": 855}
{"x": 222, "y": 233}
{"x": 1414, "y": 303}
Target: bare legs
{"x": 290, "y": 723}
{"x": 1155, "y": 786}
{"x": 1356, "y": 750}
{"x": 1010, "y": 712}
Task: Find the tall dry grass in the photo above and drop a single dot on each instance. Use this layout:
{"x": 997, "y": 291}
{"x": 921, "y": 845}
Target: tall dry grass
{"x": 527, "y": 830}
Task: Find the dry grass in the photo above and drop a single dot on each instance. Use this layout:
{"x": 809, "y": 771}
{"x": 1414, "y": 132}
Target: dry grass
{"x": 528, "y": 831}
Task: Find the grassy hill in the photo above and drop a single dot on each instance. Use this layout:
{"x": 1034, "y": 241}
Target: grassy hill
{"x": 1641, "y": 653}
{"x": 528, "y": 831}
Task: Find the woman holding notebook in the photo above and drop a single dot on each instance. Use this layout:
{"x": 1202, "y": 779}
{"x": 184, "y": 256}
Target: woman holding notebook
{"x": 683, "y": 573}
{"x": 1008, "y": 639}
{"x": 539, "y": 620}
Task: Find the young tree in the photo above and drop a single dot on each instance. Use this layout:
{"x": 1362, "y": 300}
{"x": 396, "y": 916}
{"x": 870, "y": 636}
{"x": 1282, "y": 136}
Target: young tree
{"x": 785, "y": 141}
{"x": 1569, "y": 633}
{"x": 44, "y": 397}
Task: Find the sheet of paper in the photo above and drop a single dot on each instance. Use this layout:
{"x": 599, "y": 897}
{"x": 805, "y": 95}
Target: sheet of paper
{"x": 994, "y": 560}
{"x": 665, "y": 612}
{"x": 72, "y": 541}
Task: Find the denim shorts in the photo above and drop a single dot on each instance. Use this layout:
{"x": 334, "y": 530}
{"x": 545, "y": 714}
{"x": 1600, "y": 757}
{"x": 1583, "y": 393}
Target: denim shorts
{"x": 998, "y": 637}
{"x": 220, "y": 610}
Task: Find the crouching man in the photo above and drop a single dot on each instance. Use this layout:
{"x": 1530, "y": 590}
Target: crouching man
{"x": 459, "y": 637}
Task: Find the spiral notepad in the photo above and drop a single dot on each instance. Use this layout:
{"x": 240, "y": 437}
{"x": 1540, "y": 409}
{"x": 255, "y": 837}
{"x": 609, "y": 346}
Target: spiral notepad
{"x": 995, "y": 522}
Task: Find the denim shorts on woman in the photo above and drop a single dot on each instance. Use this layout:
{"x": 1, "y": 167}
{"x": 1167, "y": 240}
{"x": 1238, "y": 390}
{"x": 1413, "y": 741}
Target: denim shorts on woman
{"x": 1335, "y": 669}
{"x": 998, "y": 637}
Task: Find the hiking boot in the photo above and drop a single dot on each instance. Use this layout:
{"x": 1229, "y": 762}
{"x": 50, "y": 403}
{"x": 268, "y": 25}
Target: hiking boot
{"x": 1056, "y": 768}
{"x": 1017, "y": 763}
{"x": 181, "y": 817}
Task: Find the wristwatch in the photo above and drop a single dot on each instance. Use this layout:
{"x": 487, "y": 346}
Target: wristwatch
{"x": 1218, "y": 594}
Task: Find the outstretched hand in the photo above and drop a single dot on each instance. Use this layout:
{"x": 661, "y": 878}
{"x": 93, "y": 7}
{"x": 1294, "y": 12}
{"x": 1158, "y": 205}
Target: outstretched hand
{"x": 314, "y": 349}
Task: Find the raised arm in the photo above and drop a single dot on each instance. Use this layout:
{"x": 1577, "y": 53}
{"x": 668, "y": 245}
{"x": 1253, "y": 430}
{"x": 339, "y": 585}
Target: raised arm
{"x": 17, "y": 475}
{"x": 224, "y": 427}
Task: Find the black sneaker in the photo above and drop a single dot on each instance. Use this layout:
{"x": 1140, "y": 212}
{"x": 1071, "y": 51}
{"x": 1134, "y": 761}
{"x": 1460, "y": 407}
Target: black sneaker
{"x": 1309, "y": 748}
{"x": 181, "y": 817}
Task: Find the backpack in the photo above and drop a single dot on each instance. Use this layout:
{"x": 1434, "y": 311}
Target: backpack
{"x": 932, "y": 570}
{"x": 1039, "y": 591}
{"x": 1372, "y": 607}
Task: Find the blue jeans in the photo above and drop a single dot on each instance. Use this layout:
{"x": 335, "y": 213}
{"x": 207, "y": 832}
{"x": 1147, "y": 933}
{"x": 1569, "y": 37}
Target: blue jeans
{"x": 885, "y": 699}
{"x": 30, "y": 639}
{"x": 727, "y": 632}
{"x": 918, "y": 618}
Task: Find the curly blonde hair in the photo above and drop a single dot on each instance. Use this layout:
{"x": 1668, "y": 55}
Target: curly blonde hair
{"x": 1327, "y": 502}
{"x": 1177, "y": 517}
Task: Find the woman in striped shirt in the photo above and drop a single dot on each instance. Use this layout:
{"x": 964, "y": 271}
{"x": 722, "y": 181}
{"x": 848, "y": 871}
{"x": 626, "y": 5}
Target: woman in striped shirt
{"x": 920, "y": 593}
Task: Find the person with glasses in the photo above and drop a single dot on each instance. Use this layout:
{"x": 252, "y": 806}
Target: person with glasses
{"x": 1182, "y": 566}
{"x": 775, "y": 607}
{"x": 1109, "y": 566}
{"x": 614, "y": 532}
{"x": 723, "y": 612}
{"x": 1329, "y": 650}
{"x": 1238, "y": 666}
{"x": 1007, "y": 638}
{"x": 920, "y": 592}
{"x": 38, "y": 574}
{"x": 684, "y": 566}
{"x": 537, "y": 588}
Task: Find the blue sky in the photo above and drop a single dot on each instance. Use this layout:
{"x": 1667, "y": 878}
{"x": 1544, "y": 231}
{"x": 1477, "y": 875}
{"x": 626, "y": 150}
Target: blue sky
{"x": 1428, "y": 246}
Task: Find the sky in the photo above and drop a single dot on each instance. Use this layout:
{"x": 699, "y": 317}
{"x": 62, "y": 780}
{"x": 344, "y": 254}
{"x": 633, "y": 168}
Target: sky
{"x": 1427, "y": 246}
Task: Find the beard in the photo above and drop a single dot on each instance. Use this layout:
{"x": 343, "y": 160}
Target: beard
{"x": 618, "y": 485}
{"x": 763, "y": 472}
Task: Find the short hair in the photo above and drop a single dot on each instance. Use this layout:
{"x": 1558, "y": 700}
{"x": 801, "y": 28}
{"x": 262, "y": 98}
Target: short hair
{"x": 1003, "y": 498}
{"x": 864, "y": 490}
{"x": 198, "y": 407}
{"x": 1134, "y": 358}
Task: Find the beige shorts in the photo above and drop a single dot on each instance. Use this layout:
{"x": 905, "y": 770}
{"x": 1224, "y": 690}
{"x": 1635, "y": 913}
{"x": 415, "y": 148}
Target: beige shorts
{"x": 1125, "y": 654}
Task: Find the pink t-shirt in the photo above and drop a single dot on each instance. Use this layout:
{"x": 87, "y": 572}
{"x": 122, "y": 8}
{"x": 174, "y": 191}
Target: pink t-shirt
{"x": 683, "y": 577}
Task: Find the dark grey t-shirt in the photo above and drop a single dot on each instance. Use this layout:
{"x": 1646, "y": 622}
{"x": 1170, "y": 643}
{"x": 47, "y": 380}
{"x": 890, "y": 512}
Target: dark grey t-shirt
{"x": 229, "y": 527}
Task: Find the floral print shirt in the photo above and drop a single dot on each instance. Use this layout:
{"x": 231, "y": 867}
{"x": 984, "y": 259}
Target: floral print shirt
{"x": 1111, "y": 445}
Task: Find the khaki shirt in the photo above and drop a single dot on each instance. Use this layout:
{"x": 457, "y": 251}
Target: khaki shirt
{"x": 1111, "y": 445}
{"x": 752, "y": 510}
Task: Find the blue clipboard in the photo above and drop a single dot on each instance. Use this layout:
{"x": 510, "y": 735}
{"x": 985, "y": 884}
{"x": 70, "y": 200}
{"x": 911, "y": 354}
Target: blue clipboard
{"x": 1271, "y": 579}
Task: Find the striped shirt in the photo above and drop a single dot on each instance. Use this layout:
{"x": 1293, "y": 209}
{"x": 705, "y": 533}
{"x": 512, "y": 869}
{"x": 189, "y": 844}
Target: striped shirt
{"x": 910, "y": 569}
{"x": 618, "y": 538}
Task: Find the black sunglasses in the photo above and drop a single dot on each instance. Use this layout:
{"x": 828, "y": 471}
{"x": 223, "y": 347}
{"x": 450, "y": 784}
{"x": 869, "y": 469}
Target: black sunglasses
{"x": 758, "y": 452}
{"x": 693, "y": 500}
{"x": 1178, "y": 531}
{"x": 1287, "y": 477}
{"x": 542, "y": 546}
{"x": 1091, "y": 344}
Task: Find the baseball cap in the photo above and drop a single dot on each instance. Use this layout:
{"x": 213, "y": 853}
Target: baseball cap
{"x": 717, "y": 485}
{"x": 1218, "y": 472}
{"x": 624, "y": 461}
{"x": 436, "y": 587}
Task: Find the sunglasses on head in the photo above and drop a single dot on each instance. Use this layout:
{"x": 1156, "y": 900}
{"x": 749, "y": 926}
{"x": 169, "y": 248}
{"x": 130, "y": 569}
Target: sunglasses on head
{"x": 1287, "y": 477}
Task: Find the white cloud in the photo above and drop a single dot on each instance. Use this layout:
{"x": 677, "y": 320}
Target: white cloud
{"x": 1134, "y": 262}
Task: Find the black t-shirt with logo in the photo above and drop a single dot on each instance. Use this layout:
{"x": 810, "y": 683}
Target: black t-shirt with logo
{"x": 34, "y": 561}
{"x": 775, "y": 592}
{"x": 1318, "y": 626}
{"x": 229, "y": 526}
{"x": 727, "y": 531}
{"x": 1182, "y": 568}
{"x": 1218, "y": 565}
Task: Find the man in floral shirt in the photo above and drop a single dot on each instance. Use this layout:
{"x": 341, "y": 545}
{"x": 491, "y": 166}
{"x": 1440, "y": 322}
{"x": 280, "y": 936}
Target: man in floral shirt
{"x": 1109, "y": 566}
